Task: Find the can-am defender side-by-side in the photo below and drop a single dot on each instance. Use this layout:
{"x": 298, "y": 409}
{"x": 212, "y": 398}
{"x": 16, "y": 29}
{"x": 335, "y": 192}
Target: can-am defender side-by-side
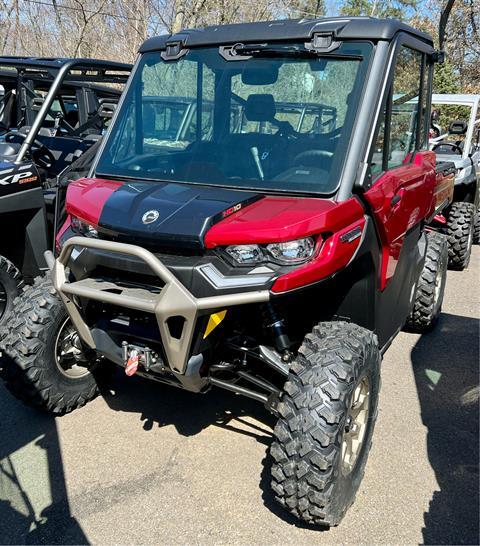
{"x": 51, "y": 111}
{"x": 278, "y": 264}
{"x": 455, "y": 136}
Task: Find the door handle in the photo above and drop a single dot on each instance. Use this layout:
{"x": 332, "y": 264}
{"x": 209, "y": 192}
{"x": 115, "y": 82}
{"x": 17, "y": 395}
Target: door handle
{"x": 395, "y": 200}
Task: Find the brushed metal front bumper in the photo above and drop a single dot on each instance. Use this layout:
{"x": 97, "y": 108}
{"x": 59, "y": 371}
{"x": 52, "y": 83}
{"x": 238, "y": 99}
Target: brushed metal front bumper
{"x": 173, "y": 300}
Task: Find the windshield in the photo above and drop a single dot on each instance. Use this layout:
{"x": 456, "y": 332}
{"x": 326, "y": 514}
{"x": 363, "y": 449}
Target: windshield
{"x": 280, "y": 122}
{"x": 449, "y": 126}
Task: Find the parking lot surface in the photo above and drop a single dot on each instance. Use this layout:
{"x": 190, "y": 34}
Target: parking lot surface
{"x": 151, "y": 464}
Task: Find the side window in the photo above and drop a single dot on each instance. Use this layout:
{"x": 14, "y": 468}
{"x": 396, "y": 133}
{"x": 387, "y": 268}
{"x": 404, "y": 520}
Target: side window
{"x": 397, "y": 135}
{"x": 169, "y": 104}
{"x": 379, "y": 150}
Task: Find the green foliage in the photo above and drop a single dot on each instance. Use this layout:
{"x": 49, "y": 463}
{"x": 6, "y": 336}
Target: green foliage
{"x": 445, "y": 79}
{"x": 354, "y": 8}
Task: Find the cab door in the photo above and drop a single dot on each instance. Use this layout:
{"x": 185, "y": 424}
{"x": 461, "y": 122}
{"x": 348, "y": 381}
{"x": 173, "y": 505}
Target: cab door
{"x": 403, "y": 182}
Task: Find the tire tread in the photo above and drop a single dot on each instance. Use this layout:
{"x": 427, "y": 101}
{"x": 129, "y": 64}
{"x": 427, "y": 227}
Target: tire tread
{"x": 424, "y": 313}
{"x": 312, "y": 413}
{"x": 9, "y": 269}
{"x": 461, "y": 223}
{"x": 23, "y": 359}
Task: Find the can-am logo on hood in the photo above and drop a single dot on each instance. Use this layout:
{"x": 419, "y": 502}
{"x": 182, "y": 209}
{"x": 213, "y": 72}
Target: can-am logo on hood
{"x": 150, "y": 216}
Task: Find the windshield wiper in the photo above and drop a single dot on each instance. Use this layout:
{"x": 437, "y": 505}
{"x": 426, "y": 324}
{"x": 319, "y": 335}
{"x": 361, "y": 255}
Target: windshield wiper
{"x": 240, "y": 51}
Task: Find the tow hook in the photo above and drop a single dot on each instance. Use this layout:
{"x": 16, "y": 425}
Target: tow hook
{"x": 134, "y": 356}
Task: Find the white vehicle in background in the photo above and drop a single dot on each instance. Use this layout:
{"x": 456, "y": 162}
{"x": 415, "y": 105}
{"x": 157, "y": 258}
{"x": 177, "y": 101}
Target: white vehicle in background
{"x": 455, "y": 136}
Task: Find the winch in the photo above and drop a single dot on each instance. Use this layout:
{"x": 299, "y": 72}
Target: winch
{"x": 135, "y": 356}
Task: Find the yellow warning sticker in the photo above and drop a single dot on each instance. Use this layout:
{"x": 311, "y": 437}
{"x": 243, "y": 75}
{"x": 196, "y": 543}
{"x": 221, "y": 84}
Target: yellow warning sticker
{"x": 214, "y": 320}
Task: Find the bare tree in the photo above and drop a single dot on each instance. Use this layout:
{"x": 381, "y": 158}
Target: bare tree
{"x": 114, "y": 29}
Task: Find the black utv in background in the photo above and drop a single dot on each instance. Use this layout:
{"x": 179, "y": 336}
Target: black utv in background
{"x": 51, "y": 112}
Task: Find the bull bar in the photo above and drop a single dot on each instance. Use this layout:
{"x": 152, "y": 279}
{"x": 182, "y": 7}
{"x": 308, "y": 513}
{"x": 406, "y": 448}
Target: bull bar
{"x": 173, "y": 300}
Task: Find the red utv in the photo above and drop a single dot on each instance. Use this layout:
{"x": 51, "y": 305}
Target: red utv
{"x": 278, "y": 264}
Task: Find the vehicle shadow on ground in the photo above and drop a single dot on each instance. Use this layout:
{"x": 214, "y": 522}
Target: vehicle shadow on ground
{"x": 21, "y": 487}
{"x": 160, "y": 405}
{"x": 446, "y": 368}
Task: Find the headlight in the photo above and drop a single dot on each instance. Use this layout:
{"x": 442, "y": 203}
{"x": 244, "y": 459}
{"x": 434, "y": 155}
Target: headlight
{"x": 290, "y": 252}
{"x": 246, "y": 254}
{"x": 83, "y": 228}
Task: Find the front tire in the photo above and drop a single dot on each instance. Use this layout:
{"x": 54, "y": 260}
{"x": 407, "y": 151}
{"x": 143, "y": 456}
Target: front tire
{"x": 11, "y": 285}
{"x": 44, "y": 364}
{"x": 460, "y": 232}
{"x": 428, "y": 298}
{"x": 476, "y": 228}
{"x": 327, "y": 415}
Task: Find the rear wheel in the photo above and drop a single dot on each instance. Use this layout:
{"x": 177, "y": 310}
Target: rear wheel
{"x": 327, "y": 415}
{"x": 11, "y": 284}
{"x": 428, "y": 298}
{"x": 460, "y": 231}
{"x": 44, "y": 363}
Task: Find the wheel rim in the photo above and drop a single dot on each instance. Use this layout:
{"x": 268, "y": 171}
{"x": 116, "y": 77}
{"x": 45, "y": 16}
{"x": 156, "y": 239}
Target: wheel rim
{"x": 3, "y": 300}
{"x": 470, "y": 239}
{"x": 438, "y": 285}
{"x": 355, "y": 425}
{"x": 69, "y": 355}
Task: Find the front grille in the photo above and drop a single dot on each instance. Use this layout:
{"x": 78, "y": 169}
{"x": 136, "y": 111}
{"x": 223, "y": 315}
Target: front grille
{"x": 178, "y": 248}
{"x": 128, "y": 279}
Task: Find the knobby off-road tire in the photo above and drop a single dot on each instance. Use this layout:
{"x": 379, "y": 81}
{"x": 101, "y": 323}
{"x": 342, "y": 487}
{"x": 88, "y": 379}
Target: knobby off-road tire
{"x": 476, "y": 229}
{"x": 460, "y": 229}
{"x": 311, "y": 476}
{"x": 428, "y": 299}
{"x": 11, "y": 285}
{"x": 31, "y": 367}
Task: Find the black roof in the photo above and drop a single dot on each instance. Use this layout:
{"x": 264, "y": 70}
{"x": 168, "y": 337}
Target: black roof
{"x": 343, "y": 28}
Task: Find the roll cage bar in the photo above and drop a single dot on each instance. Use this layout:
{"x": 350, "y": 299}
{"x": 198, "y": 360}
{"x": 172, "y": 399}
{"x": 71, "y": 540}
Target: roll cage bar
{"x": 74, "y": 71}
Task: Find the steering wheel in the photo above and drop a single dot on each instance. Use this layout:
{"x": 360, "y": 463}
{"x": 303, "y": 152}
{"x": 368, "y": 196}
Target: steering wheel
{"x": 285, "y": 129}
{"x": 312, "y": 156}
{"x": 452, "y": 145}
{"x": 40, "y": 153}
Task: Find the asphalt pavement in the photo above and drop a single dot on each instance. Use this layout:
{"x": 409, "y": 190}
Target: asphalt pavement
{"x": 150, "y": 464}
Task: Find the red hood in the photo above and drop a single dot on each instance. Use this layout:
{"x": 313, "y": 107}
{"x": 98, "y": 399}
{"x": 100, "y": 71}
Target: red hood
{"x": 278, "y": 219}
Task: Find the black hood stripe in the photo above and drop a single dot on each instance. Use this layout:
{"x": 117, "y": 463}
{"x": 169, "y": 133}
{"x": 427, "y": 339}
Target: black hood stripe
{"x": 181, "y": 213}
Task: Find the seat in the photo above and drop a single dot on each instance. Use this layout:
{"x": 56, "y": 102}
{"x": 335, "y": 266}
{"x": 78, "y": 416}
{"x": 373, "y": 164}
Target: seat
{"x": 9, "y": 149}
{"x": 260, "y": 107}
{"x": 458, "y": 127}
